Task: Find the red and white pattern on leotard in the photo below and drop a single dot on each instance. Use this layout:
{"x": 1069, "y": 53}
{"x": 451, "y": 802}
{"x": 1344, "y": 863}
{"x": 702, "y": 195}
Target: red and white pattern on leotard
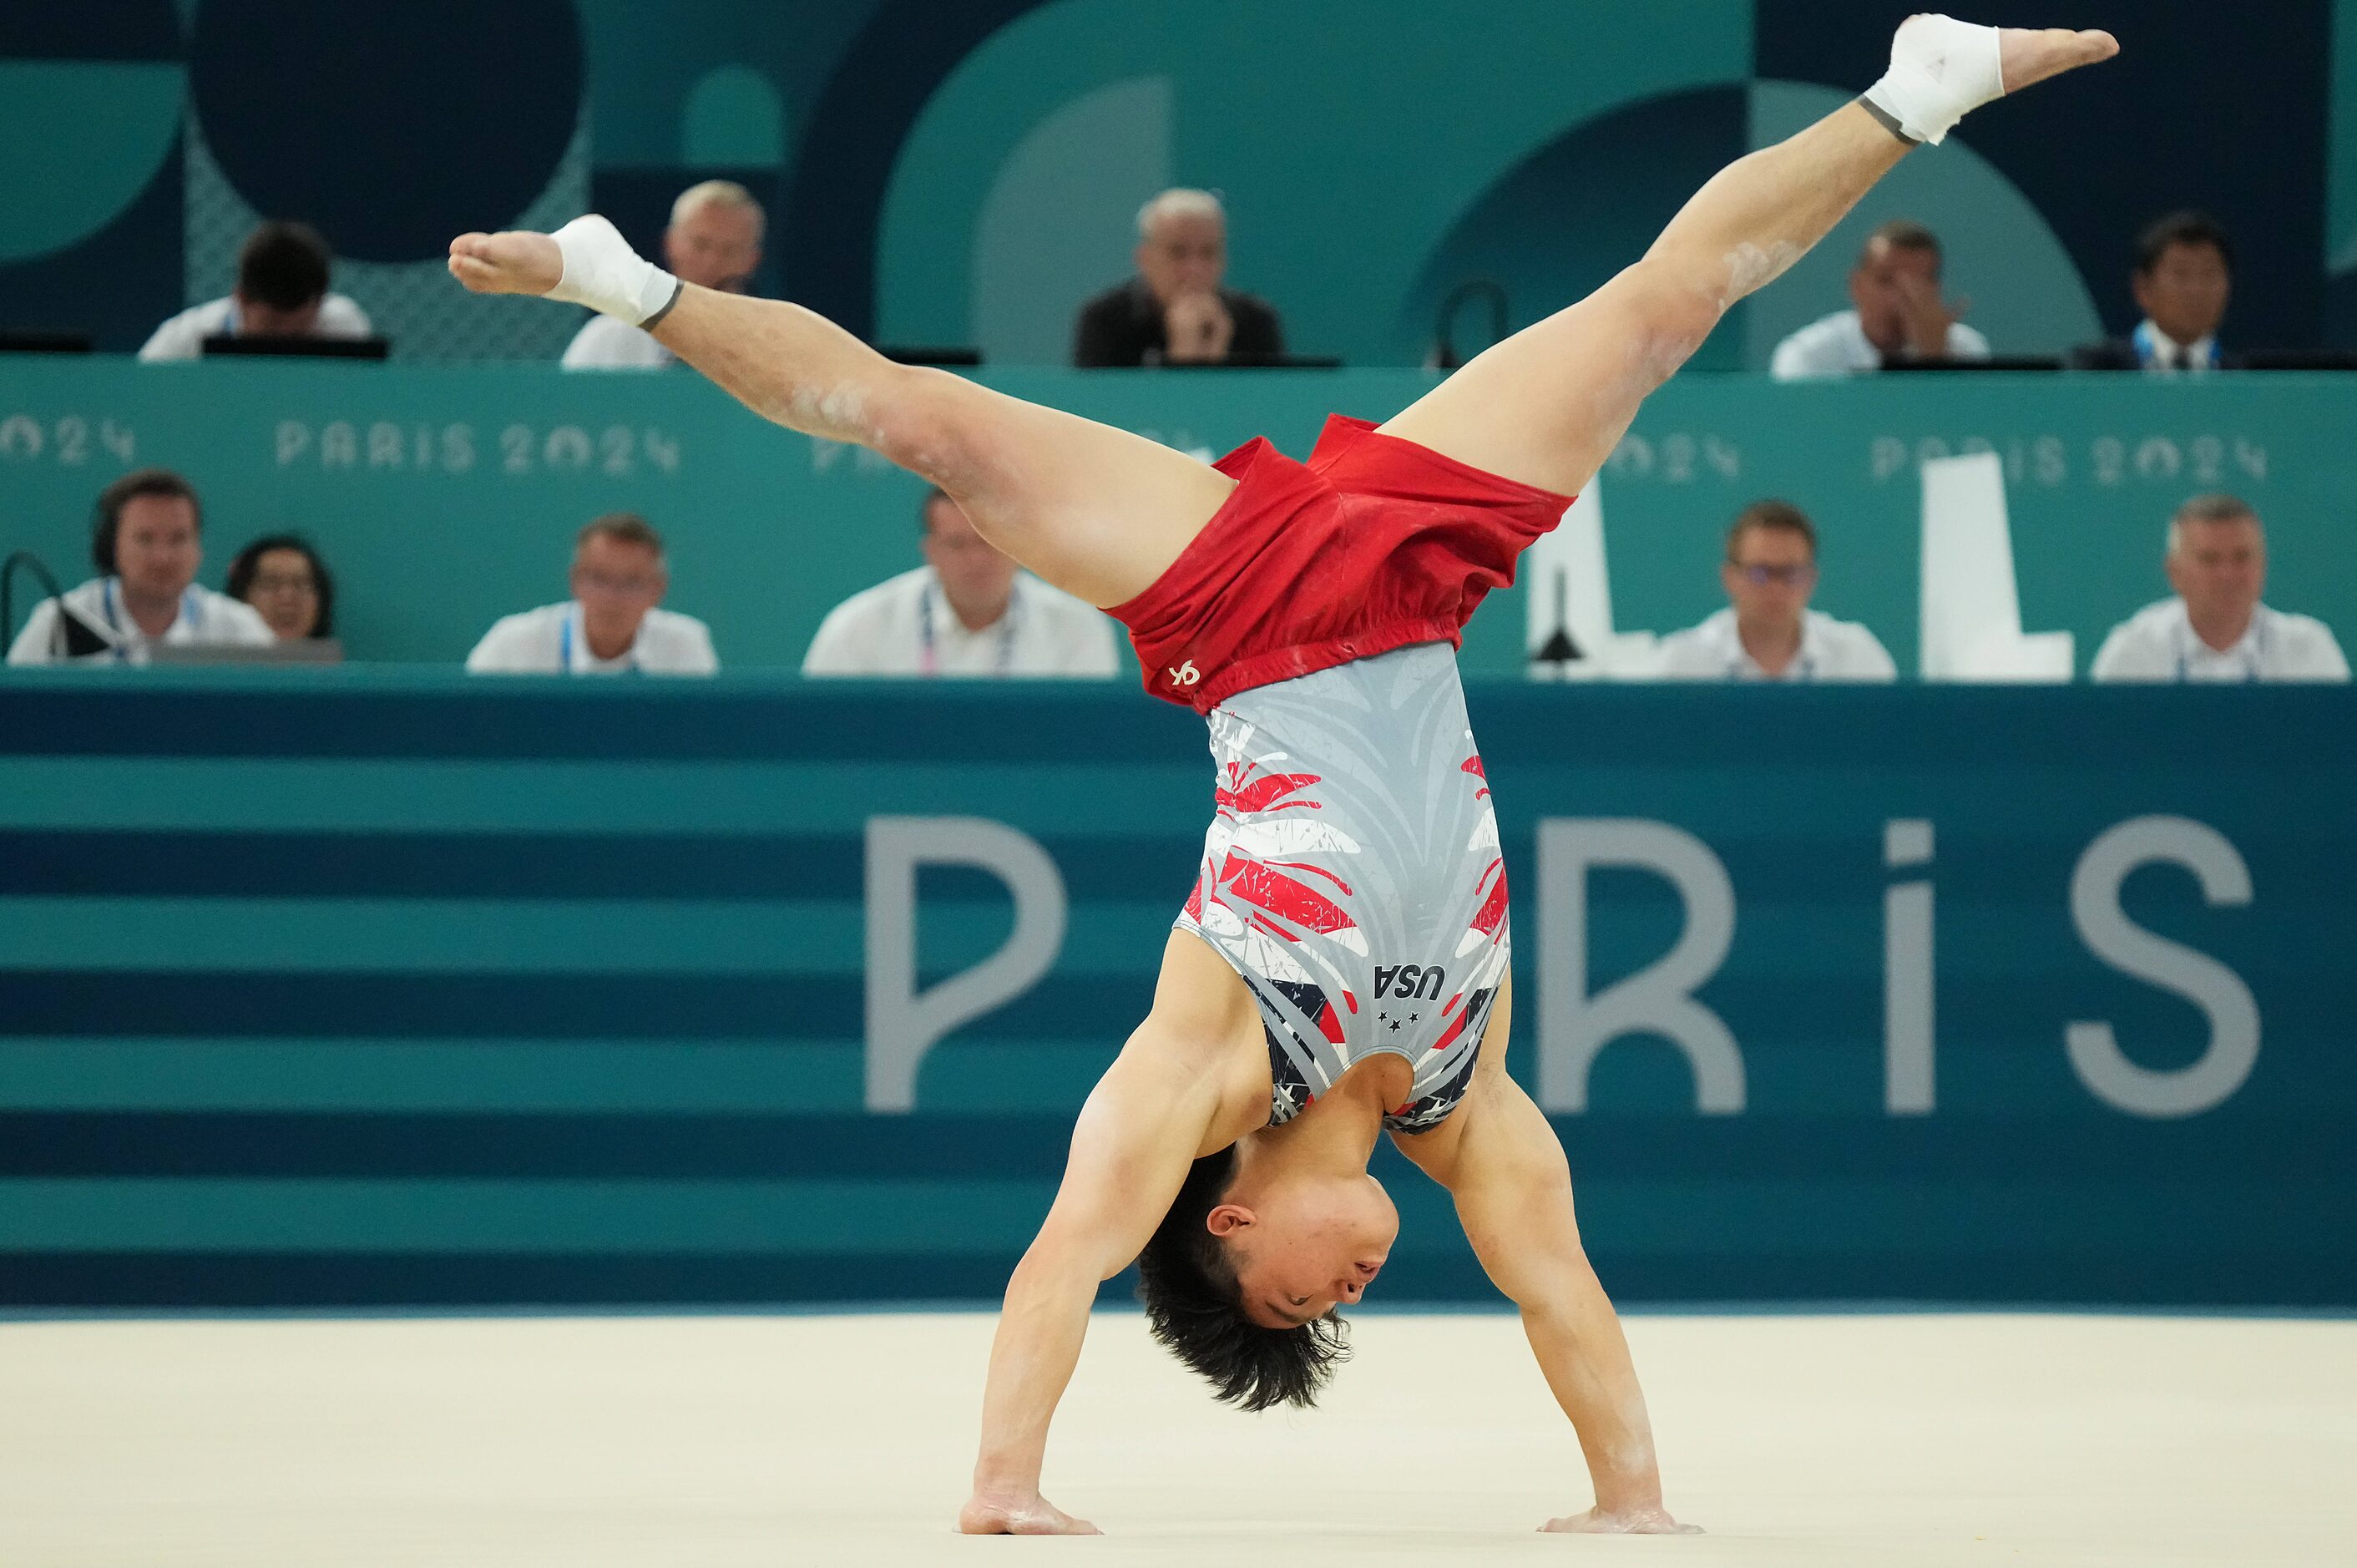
{"x": 1491, "y": 916}
{"x": 1263, "y": 894}
{"x": 1352, "y": 875}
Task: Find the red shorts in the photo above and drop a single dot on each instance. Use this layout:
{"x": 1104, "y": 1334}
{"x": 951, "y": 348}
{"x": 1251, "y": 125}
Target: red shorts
{"x": 1376, "y": 544}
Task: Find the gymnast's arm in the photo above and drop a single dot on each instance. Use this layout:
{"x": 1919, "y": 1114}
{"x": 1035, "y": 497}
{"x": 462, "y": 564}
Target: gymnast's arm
{"x": 1513, "y": 1187}
{"x": 1137, "y": 1137}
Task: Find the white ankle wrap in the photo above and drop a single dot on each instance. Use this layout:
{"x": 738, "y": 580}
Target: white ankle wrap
{"x": 1941, "y": 70}
{"x": 603, "y": 272}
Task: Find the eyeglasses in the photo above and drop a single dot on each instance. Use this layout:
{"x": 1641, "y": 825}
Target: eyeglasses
{"x": 283, "y": 583}
{"x": 606, "y": 583}
{"x": 1788, "y": 576}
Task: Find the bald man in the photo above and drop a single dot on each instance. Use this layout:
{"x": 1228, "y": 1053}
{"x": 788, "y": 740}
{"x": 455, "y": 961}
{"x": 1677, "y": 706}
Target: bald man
{"x": 1174, "y": 312}
{"x": 713, "y": 241}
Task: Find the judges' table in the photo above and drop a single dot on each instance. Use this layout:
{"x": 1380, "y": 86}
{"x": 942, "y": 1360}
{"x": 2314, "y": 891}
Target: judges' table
{"x": 444, "y": 497}
{"x": 352, "y": 987}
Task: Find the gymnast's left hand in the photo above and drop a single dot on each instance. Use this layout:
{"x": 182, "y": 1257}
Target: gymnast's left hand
{"x": 1655, "y": 1520}
{"x": 1018, "y": 1513}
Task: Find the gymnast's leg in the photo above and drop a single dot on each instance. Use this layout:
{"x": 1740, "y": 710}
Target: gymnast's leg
{"x": 1097, "y": 511}
{"x": 1547, "y": 405}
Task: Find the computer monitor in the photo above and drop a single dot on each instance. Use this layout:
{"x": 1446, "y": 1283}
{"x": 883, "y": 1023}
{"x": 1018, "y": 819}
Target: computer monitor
{"x": 2302, "y": 359}
{"x": 940, "y": 356}
{"x": 226, "y": 346}
{"x": 15, "y": 341}
{"x": 2013, "y": 362}
{"x": 1255, "y": 362}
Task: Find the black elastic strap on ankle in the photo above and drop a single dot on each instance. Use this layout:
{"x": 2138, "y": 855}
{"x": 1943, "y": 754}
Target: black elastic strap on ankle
{"x": 677, "y": 289}
{"x": 1889, "y": 122}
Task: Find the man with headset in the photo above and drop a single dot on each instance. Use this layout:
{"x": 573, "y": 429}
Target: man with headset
{"x": 966, "y": 611}
{"x": 2215, "y": 629}
{"x": 1768, "y": 632}
{"x": 146, "y": 542}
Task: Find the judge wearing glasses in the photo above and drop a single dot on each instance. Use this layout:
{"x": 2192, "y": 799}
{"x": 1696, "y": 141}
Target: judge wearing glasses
{"x": 1767, "y": 632}
{"x": 611, "y": 625}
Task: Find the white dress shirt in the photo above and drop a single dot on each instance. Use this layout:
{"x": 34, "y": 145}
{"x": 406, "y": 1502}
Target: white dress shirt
{"x": 1830, "y": 650}
{"x": 1838, "y": 346}
{"x": 2158, "y": 643}
{"x": 606, "y": 344}
{"x": 2162, "y": 355}
{"x": 905, "y": 627}
{"x": 550, "y": 642}
{"x": 205, "y": 617}
{"x": 183, "y": 337}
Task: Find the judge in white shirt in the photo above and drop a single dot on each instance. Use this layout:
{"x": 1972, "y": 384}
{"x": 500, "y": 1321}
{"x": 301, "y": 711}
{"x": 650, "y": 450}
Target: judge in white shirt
{"x": 715, "y": 241}
{"x": 611, "y": 625}
{"x": 968, "y": 611}
{"x": 146, "y": 543}
{"x": 2216, "y": 628}
{"x": 281, "y": 292}
{"x": 1899, "y": 313}
{"x": 1767, "y": 632}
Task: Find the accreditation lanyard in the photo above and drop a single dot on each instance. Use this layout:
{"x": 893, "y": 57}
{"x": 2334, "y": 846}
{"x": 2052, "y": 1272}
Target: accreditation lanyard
{"x": 567, "y": 637}
{"x": 191, "y": 611}
{"x": 1743, "y": 667}
{"x": 2253, "y": 662}
{"x": 929, "y": 656}
{"x": 2149, "y": 354}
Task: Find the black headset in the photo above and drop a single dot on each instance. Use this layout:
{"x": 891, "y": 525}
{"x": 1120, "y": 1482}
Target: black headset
{"x": 107, "y": 516}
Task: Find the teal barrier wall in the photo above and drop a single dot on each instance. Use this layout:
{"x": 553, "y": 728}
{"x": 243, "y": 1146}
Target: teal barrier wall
{"x": 353, "y": 989}
{"x": 447, "y": 497}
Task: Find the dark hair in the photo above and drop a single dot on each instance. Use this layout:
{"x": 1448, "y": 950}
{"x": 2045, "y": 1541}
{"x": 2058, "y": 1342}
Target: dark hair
{"x": 1905, "y": 234}
{"x": 622, "y": 528}
{"x": 249, "y": 562}
{"x": 284, "y": 266}
{"x": 2182, "y": 228}
{"x": 925, "y": 509}
{"x": 1194, "y": 1306}
{"x": 1774, "y": 517}
{"x": 106, "y": 517}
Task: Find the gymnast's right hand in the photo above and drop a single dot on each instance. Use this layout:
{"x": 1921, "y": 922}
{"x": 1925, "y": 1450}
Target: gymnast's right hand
{"x": 1011, "y": 1513}
{"x": 514, "y": 262}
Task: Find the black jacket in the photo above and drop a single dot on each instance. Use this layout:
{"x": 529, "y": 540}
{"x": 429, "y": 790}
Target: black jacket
{"x": 1123, "y": 327}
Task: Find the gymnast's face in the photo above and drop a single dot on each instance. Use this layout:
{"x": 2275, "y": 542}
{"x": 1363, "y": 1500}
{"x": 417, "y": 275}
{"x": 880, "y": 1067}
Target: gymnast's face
{"x": 1303, "y": 1245}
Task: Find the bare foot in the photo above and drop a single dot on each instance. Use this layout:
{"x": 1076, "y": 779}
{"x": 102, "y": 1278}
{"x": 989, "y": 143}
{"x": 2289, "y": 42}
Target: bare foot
{"x": 2030, "y": 55}
{"x": 1009, "y": 1513}
{"x": 515, "y": 262}
{"x": 1634, "y": 1521}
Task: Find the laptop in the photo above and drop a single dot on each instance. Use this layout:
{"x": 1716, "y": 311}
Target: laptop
{"x": 309, "y": 650}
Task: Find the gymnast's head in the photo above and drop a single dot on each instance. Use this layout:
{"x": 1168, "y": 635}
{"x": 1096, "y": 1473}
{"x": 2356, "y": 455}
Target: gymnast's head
{"x": 1245, "y": 1278}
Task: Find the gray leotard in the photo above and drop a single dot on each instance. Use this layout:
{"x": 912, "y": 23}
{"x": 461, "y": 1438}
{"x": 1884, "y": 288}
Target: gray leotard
{"x": 1353, "y": 876}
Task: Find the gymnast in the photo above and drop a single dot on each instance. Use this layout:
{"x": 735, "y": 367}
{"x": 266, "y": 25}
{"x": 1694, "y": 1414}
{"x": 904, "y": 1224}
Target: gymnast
{"x": 1339, "y": 971}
